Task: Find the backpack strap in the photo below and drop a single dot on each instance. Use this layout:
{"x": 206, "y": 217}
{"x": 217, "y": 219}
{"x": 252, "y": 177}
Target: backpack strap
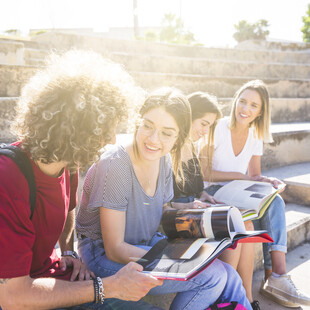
{"x": 22, "y": 161}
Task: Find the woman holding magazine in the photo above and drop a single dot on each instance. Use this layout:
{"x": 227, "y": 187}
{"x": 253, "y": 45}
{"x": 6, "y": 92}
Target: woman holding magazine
{"x": 238, "y": 147}
{"x": 123, "y": 199}
{"x": 205, "y": 115}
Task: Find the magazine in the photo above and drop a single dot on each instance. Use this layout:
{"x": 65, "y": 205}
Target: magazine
{"x": 251, "y": 197}
{"x": 195, "y": 238}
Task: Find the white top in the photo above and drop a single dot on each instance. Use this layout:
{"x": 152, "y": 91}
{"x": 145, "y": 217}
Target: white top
{"x": 224, "y": 158}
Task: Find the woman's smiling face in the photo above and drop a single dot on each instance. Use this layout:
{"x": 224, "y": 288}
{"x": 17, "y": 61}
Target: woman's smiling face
{"x": 248, "y": 107}
{"x": 200, "y": 126}
{"x": 156, "y": 134}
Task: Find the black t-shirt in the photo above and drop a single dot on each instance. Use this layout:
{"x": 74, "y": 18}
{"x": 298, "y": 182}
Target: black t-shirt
{"x": 193, "y": 183}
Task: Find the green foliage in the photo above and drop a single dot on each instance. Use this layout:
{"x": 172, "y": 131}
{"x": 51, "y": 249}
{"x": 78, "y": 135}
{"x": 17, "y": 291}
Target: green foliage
{"x": 38, "y": 32}
{"x": 173, "y": 31}
{"x": 247, "y": 31}
{"x": 306, "y": 27}
{"x": 13, "y": 32}
{"x": 151, "y": 35}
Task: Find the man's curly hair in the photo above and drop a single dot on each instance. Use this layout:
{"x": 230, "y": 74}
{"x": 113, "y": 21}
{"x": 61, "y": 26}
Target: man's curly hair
{"x": 68, "y": 111}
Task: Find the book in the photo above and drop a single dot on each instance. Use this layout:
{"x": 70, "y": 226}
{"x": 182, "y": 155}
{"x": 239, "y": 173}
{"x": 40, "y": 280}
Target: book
{"x": 252, "y": 198}
{"x": 195, "y": 238}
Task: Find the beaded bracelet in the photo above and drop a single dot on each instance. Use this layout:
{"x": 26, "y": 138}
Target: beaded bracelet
{"x": 96, "y": 288}
{"x": 101, "y": 290}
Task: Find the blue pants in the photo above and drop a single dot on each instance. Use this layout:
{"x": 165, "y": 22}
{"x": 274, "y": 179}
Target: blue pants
{"x": 273, "y": 221}
{"x": 114, "y": 304}
{"x": 217, "y": 283}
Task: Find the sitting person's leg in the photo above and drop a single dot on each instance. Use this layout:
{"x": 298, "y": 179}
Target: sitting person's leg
{"x": 242, "y": 260}
{"x": 274, "y": 222}
{"x": 277, "y": 284}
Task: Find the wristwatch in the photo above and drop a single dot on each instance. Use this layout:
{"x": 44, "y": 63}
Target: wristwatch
{"x": 70, "y": 253}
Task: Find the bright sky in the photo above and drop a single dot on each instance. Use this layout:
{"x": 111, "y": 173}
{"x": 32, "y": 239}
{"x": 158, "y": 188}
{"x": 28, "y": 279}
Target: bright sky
{"x": 212, "y": 21}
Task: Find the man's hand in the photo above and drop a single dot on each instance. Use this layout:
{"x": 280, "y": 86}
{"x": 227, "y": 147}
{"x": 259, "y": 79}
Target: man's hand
{"x": 80, "y": 271}
{"x": 129, "y": 283}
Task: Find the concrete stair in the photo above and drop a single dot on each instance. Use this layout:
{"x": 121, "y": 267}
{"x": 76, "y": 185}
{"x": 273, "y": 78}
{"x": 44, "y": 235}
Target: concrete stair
{"x": 13, "y": 77}
{"x": 287, "y": 137}
{"x": 66, "y": 41}
{"x": 221, "y": 85}
{"x": 297, "y": 179}
{"x": 209, "y": 66}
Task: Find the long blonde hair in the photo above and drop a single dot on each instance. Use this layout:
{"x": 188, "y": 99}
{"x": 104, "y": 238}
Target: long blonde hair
{"x": 261, "y": 123}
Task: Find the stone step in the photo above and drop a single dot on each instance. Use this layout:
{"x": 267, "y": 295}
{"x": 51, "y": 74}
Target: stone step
{"x": 35, "y": 53}
{"x": 34, "y": 62}
{"x": 35, "y": 57}
{"x": 297, "y": 179}
{"x": 222, "y": 86}
{"x": 100, "y": 44}
{"x": 211, "y": 67}
{"x": 27, "y": 42}
{"x": 7, "y": 113}
{"x": 283, "y": 110}
{"x": 13, "y": 77}
{"x": 287, "y": 137}
{"x": 11, "y": 53}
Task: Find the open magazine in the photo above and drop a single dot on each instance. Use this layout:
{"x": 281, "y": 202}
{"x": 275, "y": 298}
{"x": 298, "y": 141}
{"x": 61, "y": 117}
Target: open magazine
{"x": 251, "y": 197}
{"x": 195, "y": 238}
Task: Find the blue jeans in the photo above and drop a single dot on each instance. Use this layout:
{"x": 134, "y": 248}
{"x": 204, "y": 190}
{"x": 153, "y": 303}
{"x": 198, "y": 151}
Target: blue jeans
{"x": 217, "y": 283}
{"x": 273, "y": 221}
{"x": 114, "y": 304}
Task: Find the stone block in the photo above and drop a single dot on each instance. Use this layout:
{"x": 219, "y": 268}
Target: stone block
{"x": 7, "y": 113}
{"x": 12, "y": 78}
{"x": 68, "y": 40}
{"x": 221, "y": 86}
{"x": 291, "y": 145}
{"x": 11, "y": 53}
{"x": 297, "y": 179}
{"x": 212, "y": 67}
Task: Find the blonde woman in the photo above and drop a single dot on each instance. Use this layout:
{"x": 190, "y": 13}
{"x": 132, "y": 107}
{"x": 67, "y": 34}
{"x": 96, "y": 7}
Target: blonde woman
{"x": 238, "y": 147}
